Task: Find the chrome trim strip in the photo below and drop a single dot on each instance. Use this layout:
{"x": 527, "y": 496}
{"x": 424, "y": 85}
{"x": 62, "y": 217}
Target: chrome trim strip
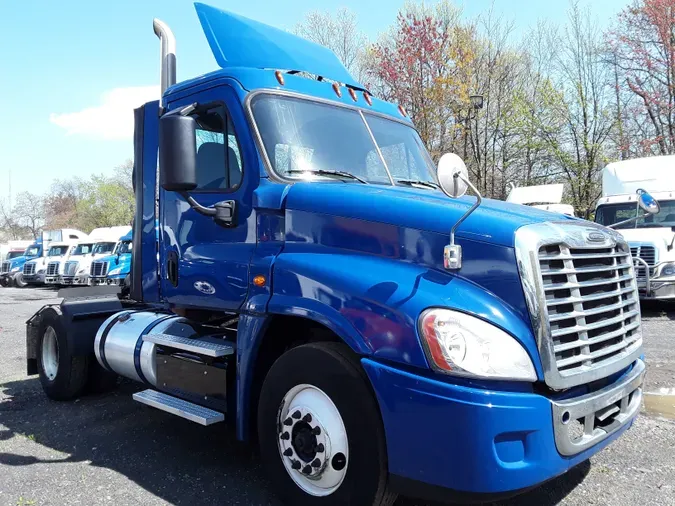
{"x": 591, "y": 405}
{"x": 572, "y": 234}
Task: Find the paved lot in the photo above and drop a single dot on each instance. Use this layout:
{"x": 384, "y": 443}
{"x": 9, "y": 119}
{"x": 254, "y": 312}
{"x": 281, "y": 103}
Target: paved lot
{"x": 110, "y": 450}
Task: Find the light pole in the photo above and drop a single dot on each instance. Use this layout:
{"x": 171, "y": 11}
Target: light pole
{"x": 476, "y": 103}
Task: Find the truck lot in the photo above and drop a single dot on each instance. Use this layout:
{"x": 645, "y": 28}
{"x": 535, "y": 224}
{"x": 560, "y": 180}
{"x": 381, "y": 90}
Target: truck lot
{"x": 110, "y": 450}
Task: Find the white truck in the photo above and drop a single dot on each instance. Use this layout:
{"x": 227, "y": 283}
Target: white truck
{"x": 651, "y": 237}
{"x": 57, "y": 255}
{"x": 101, "y": 243}
{"x": 545, "y": 196}
{"x": 35, "y": 271}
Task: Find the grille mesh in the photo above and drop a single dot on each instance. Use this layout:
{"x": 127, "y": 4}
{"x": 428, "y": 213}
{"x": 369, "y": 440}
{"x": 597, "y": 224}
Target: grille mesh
{"x": 70, "y": 268}
{"x": 591, "y": 304}
{"x": 4, "y": 267}
{"x": 29, "y": 269}
{"x": 646, "y": 253}
{"x": 52, "y": 268}
{"x": 99, "y": 269}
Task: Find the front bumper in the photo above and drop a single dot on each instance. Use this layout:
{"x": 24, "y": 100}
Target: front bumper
{"x": 52, "y": 280}
{"x": 81, "y": 280}
{"x": 96, "y": 281}
{"x": 657, "y": 288}
{"x": 485, "y": 442}
{"x": 34, "y": 279}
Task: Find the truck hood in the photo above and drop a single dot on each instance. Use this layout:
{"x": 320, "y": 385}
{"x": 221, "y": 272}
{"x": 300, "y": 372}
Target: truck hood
{"x": 660, "y": 237}
{"x": 494, "y": 222}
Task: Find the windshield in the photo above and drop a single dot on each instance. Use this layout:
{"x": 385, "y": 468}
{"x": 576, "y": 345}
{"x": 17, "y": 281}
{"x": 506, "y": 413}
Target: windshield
{"x": 32, "y": 251}
{"x": 123, "y": 247}
{"x": 302, "y": 135}
{"x": 82, "y": 249}
{"x": 609, "y": 214}
{"x": 57, "y": 251}
{"x": 103, "y": 247}
{"x": 14, "y": 254}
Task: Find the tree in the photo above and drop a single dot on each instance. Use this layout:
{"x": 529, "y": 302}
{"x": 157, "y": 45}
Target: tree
{"x": 29, "y": 213}
{"x": 338, "y": 32}
{"x": 642, "y": 49}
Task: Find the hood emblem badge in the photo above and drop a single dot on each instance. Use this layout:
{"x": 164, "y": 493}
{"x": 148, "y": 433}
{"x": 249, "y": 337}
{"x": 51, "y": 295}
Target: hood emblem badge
{"x": 205, "y": 287}
{"x": 596, "y": 237}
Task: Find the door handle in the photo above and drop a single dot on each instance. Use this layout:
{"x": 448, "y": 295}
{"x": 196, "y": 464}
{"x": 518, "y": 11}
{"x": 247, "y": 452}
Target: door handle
{"x": 172, "y": 268}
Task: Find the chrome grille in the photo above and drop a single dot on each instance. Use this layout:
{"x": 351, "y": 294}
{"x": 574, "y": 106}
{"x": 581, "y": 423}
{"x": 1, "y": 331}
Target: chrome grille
{"x": 99, "y": 269}
{"x": 646, "y": 253}
{"x": 52, "y": 268}
{"x": 583, "y": 300}
{"x": 4, "y": 267}
{"x": 29, "y": 268}
{"x": 70, "y": 268}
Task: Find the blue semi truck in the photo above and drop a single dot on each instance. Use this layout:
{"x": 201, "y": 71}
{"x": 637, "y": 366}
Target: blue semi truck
{"x": 325, "y": 289}
{"x": 113, "y": 269}
{"x": 11, "y": 270}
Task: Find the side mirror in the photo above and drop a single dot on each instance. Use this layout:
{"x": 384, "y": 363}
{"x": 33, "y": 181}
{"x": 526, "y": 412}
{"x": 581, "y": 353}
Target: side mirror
{"x": 452, "y": 175}
{"x": 648, "y": 203}
{"x": 177, "y": 152}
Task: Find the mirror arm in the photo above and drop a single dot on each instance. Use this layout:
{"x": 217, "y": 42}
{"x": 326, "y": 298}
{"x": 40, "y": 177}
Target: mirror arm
{"x": 629, "y": 220}
{"x": 479, "y": 199}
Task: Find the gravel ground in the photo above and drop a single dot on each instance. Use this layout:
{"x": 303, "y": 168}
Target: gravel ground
{"x": 109, "y": 450}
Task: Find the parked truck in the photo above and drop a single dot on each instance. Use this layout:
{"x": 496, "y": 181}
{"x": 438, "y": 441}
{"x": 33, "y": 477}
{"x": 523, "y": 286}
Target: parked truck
{"x": 99, "y": 268}
{"x": 319, "y": 283}
{"x": 120, "y": 261}
{"x": 101, "y": 242}
{"x": 545, "y": 196}
{"x": 35, "y": 270}
{"x": 13, "y": 249}
{"x": 651, "y": 236}
{"x": 11, "y": 269}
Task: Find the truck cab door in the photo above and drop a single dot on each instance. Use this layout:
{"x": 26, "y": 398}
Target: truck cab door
{"x": 205, "y": 264}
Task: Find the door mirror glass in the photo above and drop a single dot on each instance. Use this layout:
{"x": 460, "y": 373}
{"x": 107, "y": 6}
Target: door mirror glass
{"x": 177, "y": 152}
{"x": 452, "y": 174}
{"x": 648, "y": 203}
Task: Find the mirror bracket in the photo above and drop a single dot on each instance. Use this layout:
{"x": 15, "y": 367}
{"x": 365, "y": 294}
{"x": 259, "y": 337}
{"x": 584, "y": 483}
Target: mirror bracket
{"x": 452, "y": 253}
{"x": 223, "y": 213}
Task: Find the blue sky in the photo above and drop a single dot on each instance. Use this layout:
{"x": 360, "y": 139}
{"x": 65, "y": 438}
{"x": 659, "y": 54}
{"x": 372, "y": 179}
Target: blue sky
{"x": 71, "y": 71}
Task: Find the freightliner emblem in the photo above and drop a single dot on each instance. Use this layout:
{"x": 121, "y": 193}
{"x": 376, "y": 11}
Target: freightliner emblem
{"x": 596, "y": 237}
{"x": 205, "y": 287}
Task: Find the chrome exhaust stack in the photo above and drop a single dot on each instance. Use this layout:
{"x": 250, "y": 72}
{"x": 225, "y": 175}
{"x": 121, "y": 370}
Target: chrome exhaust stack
{"x": 167, "y": 54}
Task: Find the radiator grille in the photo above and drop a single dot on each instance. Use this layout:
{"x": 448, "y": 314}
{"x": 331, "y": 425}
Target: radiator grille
{"x": 583, "y": 300}
{"x": 4, "y": 267}
{"x": 646, "y": 253}
{"x": 52, "y": 268}
{"x": 99, "y": 269}
{"x": 29, "y": 269}
{"x": 70, "y": 268}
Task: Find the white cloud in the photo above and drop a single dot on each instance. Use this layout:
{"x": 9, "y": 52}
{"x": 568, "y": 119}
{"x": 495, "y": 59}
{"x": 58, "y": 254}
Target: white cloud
{"x": 112, "y": 119}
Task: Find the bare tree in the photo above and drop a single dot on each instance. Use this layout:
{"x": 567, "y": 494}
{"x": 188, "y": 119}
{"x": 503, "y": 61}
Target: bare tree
{"x": 29, "y": 213}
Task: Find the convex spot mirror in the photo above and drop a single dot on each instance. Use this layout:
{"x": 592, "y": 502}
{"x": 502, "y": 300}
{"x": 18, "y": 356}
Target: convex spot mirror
{"x": 648, "y": 203}
{"x": 452, "y": 175}
{"x": 177, "y": 152}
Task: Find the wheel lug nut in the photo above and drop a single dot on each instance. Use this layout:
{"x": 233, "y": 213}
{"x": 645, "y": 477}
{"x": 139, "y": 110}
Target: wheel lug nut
{"x": 316, "y": 463}
{"x": 307, "y": 418}
{"x": 307, "y": 470}
{"x": 297, "y": 415}
{"x": 316, "y": 431}
{"x": 288, "y": 452}
{"x": 288, "y": 422}
{"x": 320, "y": 448}
{"x": 295, "y": 465}
{"x": 285, "y": 436}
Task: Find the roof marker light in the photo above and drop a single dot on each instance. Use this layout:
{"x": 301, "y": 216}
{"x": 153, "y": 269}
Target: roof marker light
{"x": 337, "y": 90}
{"x": 352, "y": 94}
{"x": 368, "y": 98}
{"x": 402, "y": 110}
{"x": 280, "y": 77}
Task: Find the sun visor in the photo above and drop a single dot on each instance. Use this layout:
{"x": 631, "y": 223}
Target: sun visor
{"x": 237, "y": 41}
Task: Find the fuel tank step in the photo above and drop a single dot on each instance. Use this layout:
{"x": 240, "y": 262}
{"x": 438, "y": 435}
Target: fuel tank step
{"x": 179, "y": 407}
{"x": 198, "y": 346}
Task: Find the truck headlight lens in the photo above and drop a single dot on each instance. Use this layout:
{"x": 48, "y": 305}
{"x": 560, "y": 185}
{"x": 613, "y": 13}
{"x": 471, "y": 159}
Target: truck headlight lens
{"x": 81, "y": 271}
{"x": 668, "y": 269}
{"x": 40, "y": 271}
{"x": 457, "y": 343}
{"x": 113, "y": 272}
{"x": 15, "y": 269}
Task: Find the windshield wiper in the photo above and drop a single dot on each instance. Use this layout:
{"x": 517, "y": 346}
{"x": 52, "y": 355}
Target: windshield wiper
{"x": 413, "y": 182}
{"x": 323, "y": 172}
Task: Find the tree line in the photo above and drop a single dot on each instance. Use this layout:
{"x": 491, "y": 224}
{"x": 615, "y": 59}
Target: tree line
{"x": 82, "y": 204}
{"x": 559, "y": 103}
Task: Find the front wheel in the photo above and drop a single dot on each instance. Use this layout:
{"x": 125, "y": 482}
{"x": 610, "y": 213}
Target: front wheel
{"x": 320, "y": 432}
{"x": 18, "y": 280}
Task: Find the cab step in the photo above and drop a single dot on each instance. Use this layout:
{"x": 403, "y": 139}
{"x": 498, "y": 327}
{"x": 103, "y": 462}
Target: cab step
{"x": 175, "y": 406}
{"x": 199, "y": 346}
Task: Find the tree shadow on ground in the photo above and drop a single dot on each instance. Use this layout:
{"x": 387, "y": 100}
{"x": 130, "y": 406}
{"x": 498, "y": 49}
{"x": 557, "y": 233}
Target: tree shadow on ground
{"x": 172, "y": 458}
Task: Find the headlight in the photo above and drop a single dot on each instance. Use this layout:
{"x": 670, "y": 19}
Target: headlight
{"x": 667, "y": 269}
{"x": 113, "y": 272}
{"x": 15, "y": 269}
{"x": 457, "y": 343}
{"x": 81, "y": 271}
{"x": 40, "y": 271}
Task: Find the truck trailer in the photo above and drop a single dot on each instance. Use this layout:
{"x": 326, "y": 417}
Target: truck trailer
{"x": 322, "y": 287}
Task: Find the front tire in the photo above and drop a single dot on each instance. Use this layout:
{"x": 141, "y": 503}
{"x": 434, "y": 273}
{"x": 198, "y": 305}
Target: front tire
{"x": 62, "y": 375}
{"x": 320, "y": 432}
{"x": 18, "y": 280}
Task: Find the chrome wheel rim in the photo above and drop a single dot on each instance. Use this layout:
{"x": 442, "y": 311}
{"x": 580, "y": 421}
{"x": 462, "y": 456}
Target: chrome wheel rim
{"x": 312, "y": 439}
{"x": 50, "y": 354}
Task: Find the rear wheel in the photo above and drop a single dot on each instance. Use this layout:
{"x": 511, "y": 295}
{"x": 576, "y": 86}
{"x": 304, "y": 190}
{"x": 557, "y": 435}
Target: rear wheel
{"x": 62, "y": 375}
{"x": 320, "y": 433}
